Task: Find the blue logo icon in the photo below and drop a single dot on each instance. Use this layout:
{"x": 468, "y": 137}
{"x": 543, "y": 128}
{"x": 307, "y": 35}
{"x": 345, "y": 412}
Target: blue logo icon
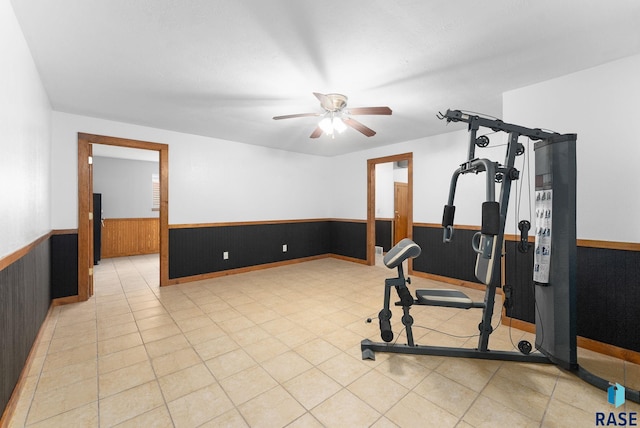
{"x": 615, "y": 395}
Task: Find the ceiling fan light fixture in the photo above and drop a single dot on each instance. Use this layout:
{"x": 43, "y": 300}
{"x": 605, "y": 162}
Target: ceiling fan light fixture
{"x": 326, "y": 125}
{"x": 339, "y": 125}
{"x": 336, "y": 117}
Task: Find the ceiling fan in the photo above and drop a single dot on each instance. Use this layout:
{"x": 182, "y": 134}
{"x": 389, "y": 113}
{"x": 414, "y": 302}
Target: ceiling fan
{"x": 337, "y": 117}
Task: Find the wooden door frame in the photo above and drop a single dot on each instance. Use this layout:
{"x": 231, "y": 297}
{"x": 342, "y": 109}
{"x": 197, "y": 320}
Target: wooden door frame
{"x": 85, "y": 267}
{"x": 371, "y": 201}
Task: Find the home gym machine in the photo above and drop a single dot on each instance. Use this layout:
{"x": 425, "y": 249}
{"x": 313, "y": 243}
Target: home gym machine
{"x": 554, "y": 267}
{"x": 487, "y": 243}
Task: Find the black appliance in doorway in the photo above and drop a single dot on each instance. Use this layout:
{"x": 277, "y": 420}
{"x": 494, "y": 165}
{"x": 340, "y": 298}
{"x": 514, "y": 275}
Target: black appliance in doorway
{"x": 97, "y": 227}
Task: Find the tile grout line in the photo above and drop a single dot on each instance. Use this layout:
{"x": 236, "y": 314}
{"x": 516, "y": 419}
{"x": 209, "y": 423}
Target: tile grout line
{"x": 40, "y": 370}
{"x": 546, "y": 410}
{"x": 209, "y": 370}
{"x": 95, "y": 304}
{"x": 479, "y": 394}
{"x": 144, "y": 344}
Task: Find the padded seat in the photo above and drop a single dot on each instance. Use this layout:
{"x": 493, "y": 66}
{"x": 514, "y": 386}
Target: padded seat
{"x": 446, "y": 298}
{"x": 403, "y": 250}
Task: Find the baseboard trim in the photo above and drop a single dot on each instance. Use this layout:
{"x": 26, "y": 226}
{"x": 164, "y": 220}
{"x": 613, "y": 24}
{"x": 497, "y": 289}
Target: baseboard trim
{"x": 74, "y": 299}
{"x": 10, "y": 409}
{"x": 583, "y": 342}
{"x": 347, "y": 258}
{"x": 65, "y": 300}
{"x": 611, "y": 350}
{"x": 218, "y": 274}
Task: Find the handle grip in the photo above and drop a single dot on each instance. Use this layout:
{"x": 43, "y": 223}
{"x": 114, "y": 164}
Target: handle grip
{"x": 524, "y": 227}
{"x": 447, "y": 235}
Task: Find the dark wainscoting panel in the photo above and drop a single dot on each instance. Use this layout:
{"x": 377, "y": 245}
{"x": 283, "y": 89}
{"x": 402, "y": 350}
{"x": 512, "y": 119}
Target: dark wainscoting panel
{"x": 608, "y": 292}
{"x": 383, "y": 234}
{"x": 608, "y": 288}
{"x": 198, "y": 250}
{"x": 64, "y": 265}
{"x": 24, "y": 302}
{"x": 455, "y": 259}
{"x": 349, "y": 239}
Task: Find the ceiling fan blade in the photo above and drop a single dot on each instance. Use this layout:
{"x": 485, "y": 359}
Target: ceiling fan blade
{"x": 316, "y": 133}
{"x": 359, "y": 127}
{"x": 290, "y": 116}
{"x": 325, "y": 101}
{"x": 370, "y": 110}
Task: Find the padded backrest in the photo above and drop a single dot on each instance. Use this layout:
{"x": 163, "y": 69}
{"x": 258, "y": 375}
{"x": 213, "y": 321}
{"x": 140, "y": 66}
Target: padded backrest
{"x": 400, "y": 252}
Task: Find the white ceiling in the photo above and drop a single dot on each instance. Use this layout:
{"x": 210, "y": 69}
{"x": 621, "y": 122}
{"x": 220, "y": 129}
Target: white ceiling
{"x": 224, "y": 68}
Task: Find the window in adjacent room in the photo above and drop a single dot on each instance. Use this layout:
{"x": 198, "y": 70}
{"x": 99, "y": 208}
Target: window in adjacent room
{"x": 155, "y": 182}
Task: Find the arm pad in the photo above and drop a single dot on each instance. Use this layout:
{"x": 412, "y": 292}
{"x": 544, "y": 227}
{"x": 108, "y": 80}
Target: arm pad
{"x": 447, "y": 216}
{"x": 490, "y": 218}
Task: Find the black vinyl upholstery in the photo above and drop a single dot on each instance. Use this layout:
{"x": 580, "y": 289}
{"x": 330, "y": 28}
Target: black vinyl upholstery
{"x": 403, "y": 250}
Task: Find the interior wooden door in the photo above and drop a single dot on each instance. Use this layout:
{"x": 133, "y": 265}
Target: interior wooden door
{"x": 401, "y": 208}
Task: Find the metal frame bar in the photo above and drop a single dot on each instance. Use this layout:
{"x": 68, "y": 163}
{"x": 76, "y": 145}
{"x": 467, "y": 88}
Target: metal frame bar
{"x": 369, "y": 348}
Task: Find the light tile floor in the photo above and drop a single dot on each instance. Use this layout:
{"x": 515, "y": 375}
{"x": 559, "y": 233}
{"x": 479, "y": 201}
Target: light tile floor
{"x": 281, "y": 347}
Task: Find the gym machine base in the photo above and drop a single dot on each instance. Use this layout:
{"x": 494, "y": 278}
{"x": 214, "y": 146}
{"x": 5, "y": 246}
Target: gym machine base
{"x": 404, "y": 250}
{"x": 369, "y": 348}
{"x": 554, "y": 258}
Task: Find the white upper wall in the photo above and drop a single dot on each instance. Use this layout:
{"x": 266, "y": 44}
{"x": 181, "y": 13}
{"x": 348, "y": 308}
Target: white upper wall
{"x": 126, "y": 187}
{"x": 434, "y": 161}
{"x": 602, "y": 106}
{"x": 213, "y": 180}
{"x": 599, "y": 104}
{"x": 25, "y": 139}
{"x": 384, "y": 190}
{"x": 210, "y": 180}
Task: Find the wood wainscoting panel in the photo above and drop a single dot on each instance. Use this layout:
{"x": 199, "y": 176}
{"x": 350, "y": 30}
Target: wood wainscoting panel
{"x": 130, "y": 237}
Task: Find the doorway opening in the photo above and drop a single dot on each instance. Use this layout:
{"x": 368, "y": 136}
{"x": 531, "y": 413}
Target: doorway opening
{"x": 403, "y": 202}
{"x": 86, "y": 216}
